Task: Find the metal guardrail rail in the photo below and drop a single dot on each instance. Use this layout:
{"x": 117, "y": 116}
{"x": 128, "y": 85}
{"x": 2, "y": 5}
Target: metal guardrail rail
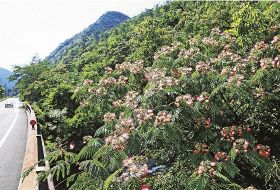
{"x": 42, "y": 165}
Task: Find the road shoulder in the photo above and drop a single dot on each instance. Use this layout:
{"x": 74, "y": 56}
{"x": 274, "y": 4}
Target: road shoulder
{"x": 30, "y": 158}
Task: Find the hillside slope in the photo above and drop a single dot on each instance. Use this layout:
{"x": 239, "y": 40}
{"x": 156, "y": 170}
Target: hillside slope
{"x": 4, "y": 75}
{"x": 183, "y": 96}
{"x": 71, "y": 47}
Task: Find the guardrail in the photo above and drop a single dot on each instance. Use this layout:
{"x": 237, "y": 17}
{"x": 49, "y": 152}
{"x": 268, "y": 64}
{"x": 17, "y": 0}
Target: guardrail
{"x": 35, "y": 151}
{"x": 43, "y": 166}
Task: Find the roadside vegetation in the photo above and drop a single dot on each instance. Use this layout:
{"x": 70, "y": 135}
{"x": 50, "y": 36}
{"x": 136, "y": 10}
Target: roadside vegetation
{"x": 2, "y": 92}
{"x": 191, "y": 87}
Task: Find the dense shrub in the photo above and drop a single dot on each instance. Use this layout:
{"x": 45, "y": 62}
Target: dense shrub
{"x": 192, "y": 87}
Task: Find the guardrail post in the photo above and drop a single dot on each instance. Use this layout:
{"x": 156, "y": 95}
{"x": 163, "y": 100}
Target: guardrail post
{"x": 42, "y": 185}
{"x": 43, "y": 165}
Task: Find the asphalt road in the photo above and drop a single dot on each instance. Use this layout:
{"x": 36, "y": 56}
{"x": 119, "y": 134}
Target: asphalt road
{"x": 13, "y": 136}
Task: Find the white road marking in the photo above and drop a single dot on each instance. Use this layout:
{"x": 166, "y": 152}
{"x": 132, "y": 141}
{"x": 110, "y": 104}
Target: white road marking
{"x": 9, "y": 130}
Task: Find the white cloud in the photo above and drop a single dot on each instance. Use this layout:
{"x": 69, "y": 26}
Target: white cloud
{"x": 28, "y": 27}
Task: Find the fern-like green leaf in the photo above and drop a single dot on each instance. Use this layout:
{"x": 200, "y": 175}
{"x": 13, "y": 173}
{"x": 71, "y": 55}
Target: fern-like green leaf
{"x": 109, "y": 179}
{"x": 231, "y": 168}
{"x": 232, "y": 154}
{"x": 221, "y": 176}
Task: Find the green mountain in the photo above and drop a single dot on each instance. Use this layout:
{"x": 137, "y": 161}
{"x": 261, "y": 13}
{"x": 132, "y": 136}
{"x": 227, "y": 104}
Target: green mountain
{"x": 74, "y": 46}
{"x": 182, "y": 96}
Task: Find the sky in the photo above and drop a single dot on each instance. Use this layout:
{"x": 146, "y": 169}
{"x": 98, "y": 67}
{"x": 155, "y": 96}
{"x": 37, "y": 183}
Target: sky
{"x": 37, "y": 27}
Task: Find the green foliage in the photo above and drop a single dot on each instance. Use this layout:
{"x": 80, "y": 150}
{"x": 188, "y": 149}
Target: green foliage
{"x": 109, "y": 180}
{"x": 2, "y": 92}
{"x": 193, "y": 86}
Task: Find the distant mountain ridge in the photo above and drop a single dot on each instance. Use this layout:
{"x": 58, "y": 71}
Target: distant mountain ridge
{"x": 4, "y": 75}
{"x": 70, "y": 48}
